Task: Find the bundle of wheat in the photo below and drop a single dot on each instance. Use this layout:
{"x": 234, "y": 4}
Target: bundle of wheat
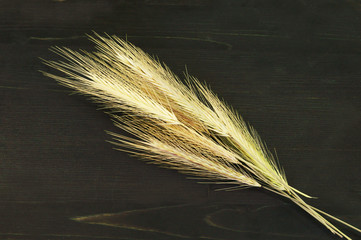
{"x": 179, "y": 126}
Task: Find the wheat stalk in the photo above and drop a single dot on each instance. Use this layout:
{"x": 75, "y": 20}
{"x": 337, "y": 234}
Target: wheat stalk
{"x": 179, "y": 126}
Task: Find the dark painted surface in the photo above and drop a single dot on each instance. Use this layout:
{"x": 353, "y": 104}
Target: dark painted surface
{"x": 291, "y": 68}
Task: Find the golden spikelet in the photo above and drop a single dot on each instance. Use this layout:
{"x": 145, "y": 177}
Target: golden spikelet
{"x": 179, "y": 126}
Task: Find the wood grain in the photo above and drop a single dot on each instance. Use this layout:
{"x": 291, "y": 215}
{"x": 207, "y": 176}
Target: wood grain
{"x": 291, "y": 68}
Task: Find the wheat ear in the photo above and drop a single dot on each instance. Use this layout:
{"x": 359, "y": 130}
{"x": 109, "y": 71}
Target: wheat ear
{"x": 182, "y": 126}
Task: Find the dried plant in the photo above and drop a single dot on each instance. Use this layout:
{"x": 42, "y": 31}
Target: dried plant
{"x": 182, "y": 126}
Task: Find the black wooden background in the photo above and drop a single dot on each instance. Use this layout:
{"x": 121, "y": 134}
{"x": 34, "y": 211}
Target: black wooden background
{"x": 291, "y": 68}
